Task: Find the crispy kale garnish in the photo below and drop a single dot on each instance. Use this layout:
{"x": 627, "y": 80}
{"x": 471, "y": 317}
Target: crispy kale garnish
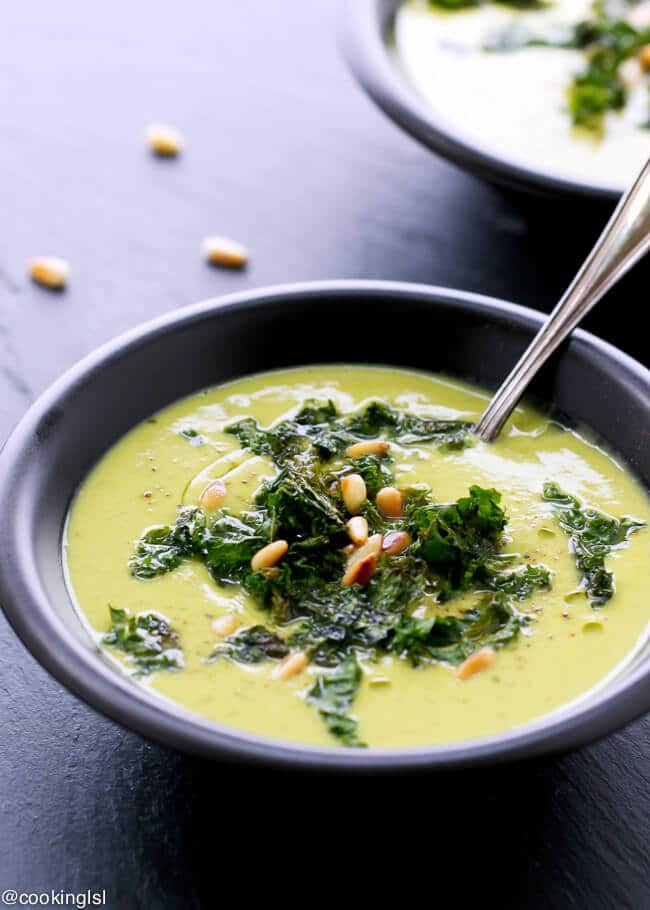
{"x": 147, "y": 639}
{"x": 251, "y": 646}
{"x": 592, "y": 536}
{"x": 492, "y": 621}
{"x": 320, "y": 431}
{"x": 333, "y": 694}
{"x": 458, "y": 541}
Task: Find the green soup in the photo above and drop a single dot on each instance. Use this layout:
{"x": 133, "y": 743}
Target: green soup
{"x": 550, "y": 644}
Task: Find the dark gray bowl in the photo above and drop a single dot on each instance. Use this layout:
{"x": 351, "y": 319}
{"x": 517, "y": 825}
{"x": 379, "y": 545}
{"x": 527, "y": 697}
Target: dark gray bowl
{"x": 95, "y": 403}
{"x": 366, "y": 32}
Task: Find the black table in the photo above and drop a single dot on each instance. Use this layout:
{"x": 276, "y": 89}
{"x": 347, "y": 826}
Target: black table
{"x": 285, "y": 154}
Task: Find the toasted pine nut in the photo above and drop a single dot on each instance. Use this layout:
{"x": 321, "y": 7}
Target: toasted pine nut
{"x": 372, "y": 545}
{"x": 165, "y": 141}
{"x": 269, "y": 555}
{"x": 358, "y": 530}
{"x": 643, "y": 56}
{"x": 222, "y": 251}
{"x": 360, "y": 571}
{"x": 371, "y": 447}
{"x": 395, "y": 542}
{"x": 213, "y": 495}
{"x": 630, "y": 71}
{"x": 476, "y": 662}
{"x": 390, "y": 501}
{"x": 291, "y": 665}
{"x": 364, "y": 557}
{"x": 353, "y": 490}
{"x": 50, "y": 271}
{"x": 224, "y": 625}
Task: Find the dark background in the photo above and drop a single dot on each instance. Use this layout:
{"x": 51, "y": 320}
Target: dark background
{"x": 285, "y": 154}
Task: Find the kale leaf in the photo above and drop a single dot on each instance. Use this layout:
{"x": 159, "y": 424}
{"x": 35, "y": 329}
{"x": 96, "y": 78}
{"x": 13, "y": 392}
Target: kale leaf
{"x": 333, "y": 694}
{"x": 492, "y": 621}
{"x": 147, "y": 639}
{"x": 592, "y": 537}
{"x": 251, "y": 646}
{"x": 458, "y": 540}
{"x": 163, "y": 548}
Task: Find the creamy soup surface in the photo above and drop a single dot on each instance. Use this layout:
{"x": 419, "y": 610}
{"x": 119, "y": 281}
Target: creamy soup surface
{"x": 566, "y": 649}
{"x": 515, "y": 103}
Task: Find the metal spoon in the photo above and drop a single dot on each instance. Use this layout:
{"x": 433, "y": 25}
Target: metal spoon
{"x": 624, "y": 241}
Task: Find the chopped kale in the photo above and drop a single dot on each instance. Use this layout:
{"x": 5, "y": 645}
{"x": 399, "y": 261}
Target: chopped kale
{"x": 318, "y": 430}
{"x": 163, "y": 548}
{"x": 147, "y": 639}
{"x": 592, "y": 536}
{"x": 458, "y": 541}
{"x": 251, "y": 646}
{"x": 521, "y": 583}
{"x": 333, "y": 694}
{"x": 492, "y": 621}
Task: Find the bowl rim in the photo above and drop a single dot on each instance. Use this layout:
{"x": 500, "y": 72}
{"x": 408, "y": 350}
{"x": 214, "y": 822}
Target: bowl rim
{"x": 113, "y": 694}
{"x": 363, "y": 37}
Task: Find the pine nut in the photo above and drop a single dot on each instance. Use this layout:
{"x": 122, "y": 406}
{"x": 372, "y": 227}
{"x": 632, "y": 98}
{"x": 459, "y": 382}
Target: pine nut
{"x": 290, "y": 666}
{"x": 390, "y": 501}
{"x": 224, "y": 625}
{"x": 49, "y": 271}
{"x": 476, "y": 662}
{"x": 213, "y": 495}
{"x": 165, "y": 141}
{"x": 353, "y": 490}
{"x": 222, "y": 251}
{"x": 363, "y": 562}
{"x": 269, "y": 555}
{"x": 643, "y": 56}
{"x": 395, "y": 542}
{"x": 360, "y": 571}
{"x": 358, "y": 530}
{"x": 371, "y": 447}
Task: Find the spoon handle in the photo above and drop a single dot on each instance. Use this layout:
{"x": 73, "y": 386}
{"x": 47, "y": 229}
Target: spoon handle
{"x": 624, "y": 241}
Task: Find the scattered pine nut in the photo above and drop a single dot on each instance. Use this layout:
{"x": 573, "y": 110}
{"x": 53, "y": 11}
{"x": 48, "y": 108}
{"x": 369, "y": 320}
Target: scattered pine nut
{"x": 360, "y": 571}
{"x": 476, "y": 662}
{"x": 353, "y": 490}
{"x": 371, "y": 447}
{"x": 643, "y": 56}
{"x": 390, "y": 501}
{"x": 358, "y": 530}
{"x": 49, "y": 271}
{"x": 269, "y": 555}
{"x": 291, "y": 665}
{"x": 165, "y": 141}
{"x": 224, "y": 625}
{"x": 395, "y": 542}
{"x": 222, "y": 251}
{"x": 213, "y": 495}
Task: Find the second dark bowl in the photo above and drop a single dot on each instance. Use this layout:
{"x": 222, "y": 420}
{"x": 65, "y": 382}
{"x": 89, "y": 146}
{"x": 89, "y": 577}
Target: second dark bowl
{"x": 92, "y": 406}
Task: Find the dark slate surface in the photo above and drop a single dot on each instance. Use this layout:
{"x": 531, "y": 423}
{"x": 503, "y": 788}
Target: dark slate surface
{"x": 286, "y": 154}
